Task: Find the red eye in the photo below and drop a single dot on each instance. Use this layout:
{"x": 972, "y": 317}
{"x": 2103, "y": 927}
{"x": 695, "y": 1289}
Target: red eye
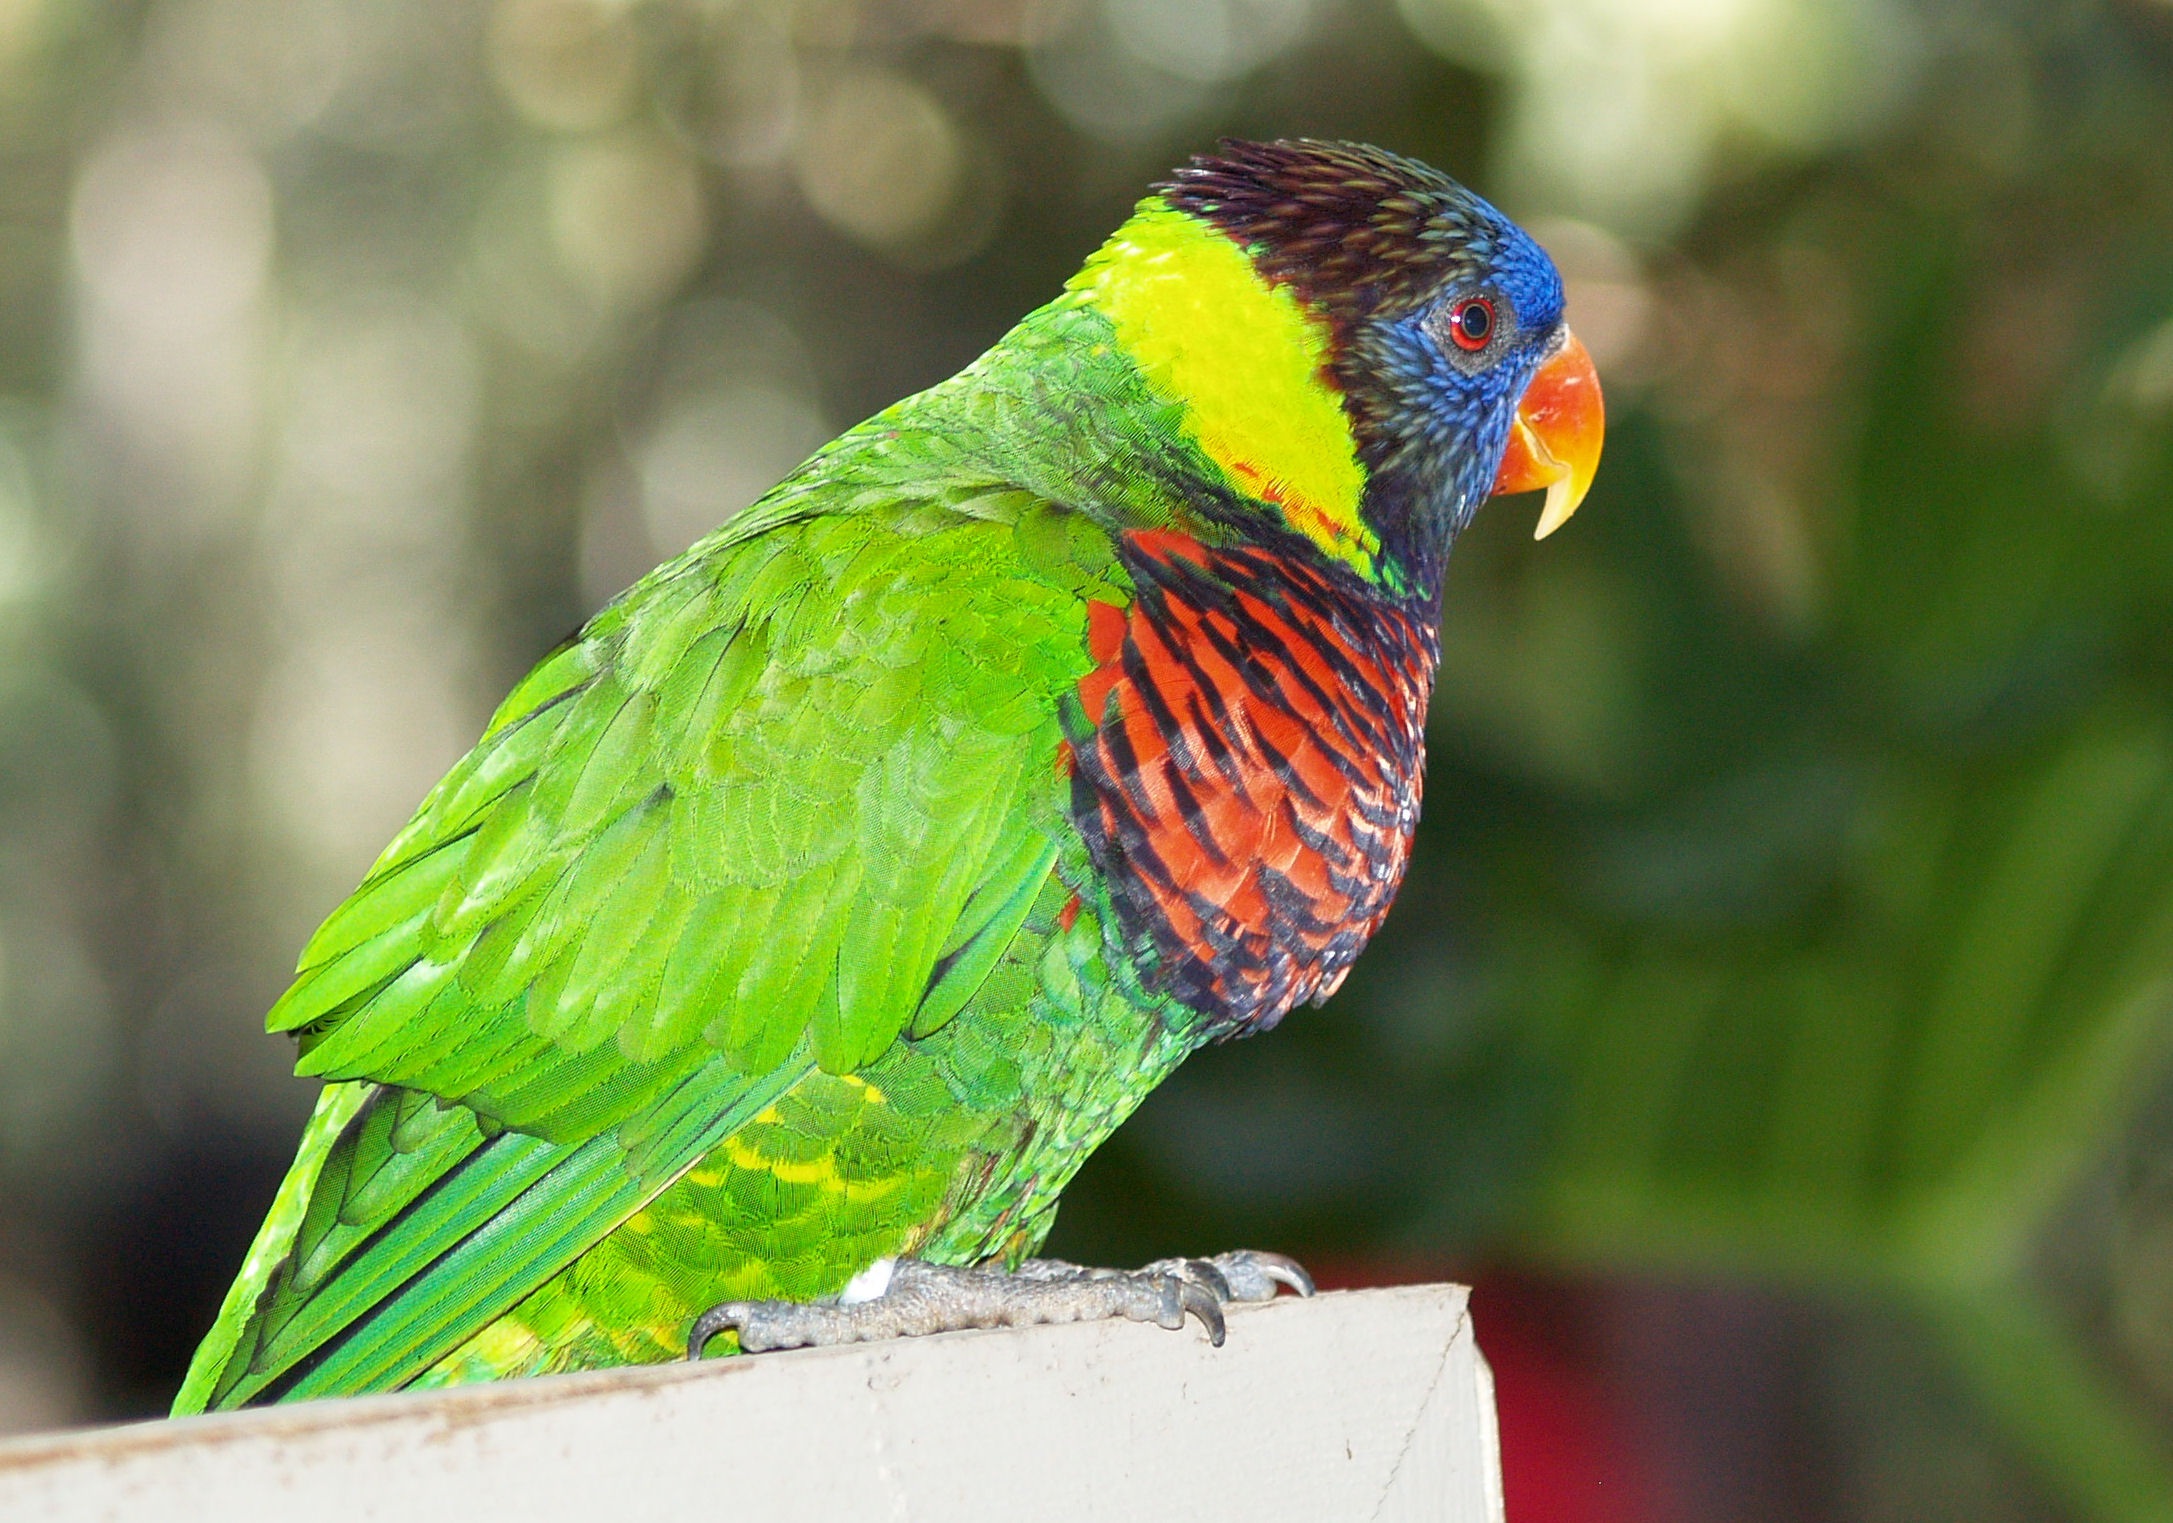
{"x": 1471, "y": 323}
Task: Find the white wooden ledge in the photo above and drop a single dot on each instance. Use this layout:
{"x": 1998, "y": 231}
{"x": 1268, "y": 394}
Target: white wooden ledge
{"x": 1373, "y": 1404}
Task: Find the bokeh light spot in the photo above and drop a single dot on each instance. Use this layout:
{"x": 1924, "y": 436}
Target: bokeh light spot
{"x": 879, "y": 159}
{"x": 566, "y": 64}
{"x": 627, "y": 216}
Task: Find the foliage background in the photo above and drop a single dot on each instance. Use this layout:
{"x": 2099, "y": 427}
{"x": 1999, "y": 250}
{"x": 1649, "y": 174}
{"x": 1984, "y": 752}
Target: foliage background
{"x": 1777, "y": 1018}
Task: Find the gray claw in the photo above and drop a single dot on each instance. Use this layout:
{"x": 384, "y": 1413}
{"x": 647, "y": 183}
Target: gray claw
{"x": 1265, "y": 1272}
{"x": 712, "y": 1322}
{"x": 1202, "y": 1302}
{"x": 1207, "y": 1272}
{"x": 914, "y": 1297}
{"x": 1254, "y": 1276}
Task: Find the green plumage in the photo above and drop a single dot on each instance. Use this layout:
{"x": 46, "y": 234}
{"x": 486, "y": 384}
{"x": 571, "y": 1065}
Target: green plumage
{"x": 798, "y": 914}
{"x": 736, "y": 954}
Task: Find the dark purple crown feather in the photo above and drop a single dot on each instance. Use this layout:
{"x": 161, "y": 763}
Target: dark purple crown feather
{"x": 1355, "y": 229}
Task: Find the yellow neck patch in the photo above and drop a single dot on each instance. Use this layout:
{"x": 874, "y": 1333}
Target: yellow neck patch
{"x": 1245, "y": 360}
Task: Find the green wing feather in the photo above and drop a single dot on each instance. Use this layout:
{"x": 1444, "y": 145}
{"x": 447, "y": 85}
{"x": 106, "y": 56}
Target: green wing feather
{"x": 790, "y": 796}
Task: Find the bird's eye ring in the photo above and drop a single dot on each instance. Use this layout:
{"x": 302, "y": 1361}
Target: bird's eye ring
{"x": 1471, "y": 323}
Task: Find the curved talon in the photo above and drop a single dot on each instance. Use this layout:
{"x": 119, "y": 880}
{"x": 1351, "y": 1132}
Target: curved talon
{"x": 1281, "y": 1269}
{"x": 1255, "y": 1276}
{"x": 1204, "y": 1304}
{"x": 712, "y": 1322}
{"x": 1207, "y": 1272}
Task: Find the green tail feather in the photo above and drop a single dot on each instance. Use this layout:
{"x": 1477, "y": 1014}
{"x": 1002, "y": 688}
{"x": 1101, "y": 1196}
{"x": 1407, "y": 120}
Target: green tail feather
{"x": 336, "y": 1106}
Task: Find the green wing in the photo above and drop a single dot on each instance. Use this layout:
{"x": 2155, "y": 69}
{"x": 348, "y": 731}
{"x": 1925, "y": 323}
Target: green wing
{"x": 786, "y": 799}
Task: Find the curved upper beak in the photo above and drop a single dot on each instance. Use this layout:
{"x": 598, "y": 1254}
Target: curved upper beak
{"x": 1555, "y": 442}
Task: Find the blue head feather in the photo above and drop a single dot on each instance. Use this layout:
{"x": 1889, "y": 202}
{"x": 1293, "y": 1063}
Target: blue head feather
{"x": 1385, "y": 248}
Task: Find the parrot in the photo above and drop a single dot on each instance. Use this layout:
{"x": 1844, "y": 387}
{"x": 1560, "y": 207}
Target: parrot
{"x": 799, "y": 926}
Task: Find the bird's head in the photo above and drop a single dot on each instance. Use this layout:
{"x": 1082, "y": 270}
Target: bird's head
{"x": 1358, "y": 343}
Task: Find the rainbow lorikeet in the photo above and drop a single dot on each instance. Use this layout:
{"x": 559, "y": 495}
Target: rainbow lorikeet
{"x": 797, "y": 928}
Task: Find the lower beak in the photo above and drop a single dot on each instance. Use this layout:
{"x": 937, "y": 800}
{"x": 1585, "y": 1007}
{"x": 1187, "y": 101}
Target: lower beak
{"x": 1555, "y": 441}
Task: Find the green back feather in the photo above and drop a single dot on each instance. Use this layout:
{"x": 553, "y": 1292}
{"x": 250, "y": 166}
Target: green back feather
{"x": 791, "y": 795}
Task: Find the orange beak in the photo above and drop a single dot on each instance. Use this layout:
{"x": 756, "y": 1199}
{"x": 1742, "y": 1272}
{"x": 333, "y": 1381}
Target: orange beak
{"x": 1555, "y": 442}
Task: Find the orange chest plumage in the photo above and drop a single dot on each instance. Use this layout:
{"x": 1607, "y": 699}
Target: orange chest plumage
{"x": 1247, "y": 770}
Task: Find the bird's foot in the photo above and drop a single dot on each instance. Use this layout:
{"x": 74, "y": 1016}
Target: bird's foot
{"x": 904, "y": 1298}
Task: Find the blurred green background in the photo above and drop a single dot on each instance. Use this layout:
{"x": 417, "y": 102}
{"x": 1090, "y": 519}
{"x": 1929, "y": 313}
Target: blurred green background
{"x": 1779, "y": 1017}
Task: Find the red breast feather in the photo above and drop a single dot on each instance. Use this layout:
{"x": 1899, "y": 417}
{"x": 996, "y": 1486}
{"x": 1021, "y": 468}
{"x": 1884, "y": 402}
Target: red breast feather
{"x": 1247, "y": 775}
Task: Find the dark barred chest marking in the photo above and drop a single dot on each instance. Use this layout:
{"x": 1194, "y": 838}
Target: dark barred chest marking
{"x": 1247, "y": 775}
